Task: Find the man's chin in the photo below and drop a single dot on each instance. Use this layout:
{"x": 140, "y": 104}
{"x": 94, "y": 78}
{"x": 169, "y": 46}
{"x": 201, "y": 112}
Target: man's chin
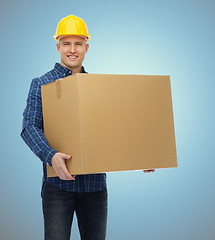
{"x": 71, "y": 66}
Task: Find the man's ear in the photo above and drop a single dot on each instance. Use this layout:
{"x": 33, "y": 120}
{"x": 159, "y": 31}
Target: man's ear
{"x": 58, "y": 47}
{"x": 87, "y": 46}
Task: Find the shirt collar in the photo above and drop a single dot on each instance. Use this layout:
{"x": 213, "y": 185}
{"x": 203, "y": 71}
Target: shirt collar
{"x": 65, "y": 71}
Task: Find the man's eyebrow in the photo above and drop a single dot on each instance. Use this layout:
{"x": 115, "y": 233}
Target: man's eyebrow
{"x": 82, "y": 42}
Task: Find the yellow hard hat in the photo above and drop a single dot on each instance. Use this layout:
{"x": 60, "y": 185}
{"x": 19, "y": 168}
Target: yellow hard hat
{"x": 72, "y": 25}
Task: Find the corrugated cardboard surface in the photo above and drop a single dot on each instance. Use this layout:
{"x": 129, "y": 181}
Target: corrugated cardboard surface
{"x": 110, "y": 122}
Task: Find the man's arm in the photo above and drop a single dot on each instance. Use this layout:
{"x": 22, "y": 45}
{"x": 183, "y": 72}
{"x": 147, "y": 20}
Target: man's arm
{"x": 32, "y": 128}
{"x": 33, "y": 134}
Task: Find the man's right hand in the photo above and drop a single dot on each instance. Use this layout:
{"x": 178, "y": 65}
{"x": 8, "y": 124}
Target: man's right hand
{"x": 59, "y": 165}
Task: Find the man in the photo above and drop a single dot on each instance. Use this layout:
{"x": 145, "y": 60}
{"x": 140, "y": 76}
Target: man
{"x": 62, "y": 196}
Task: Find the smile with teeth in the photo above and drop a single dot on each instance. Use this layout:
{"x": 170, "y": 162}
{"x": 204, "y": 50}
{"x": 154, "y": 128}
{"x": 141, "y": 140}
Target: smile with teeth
{"x": 72, "y": 57}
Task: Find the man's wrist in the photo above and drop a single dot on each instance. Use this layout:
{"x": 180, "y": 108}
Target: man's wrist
{"x": 50, "y": 156}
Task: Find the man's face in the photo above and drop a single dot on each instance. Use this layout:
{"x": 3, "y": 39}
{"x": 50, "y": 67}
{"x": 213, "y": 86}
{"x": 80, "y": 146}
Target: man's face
{"x": 72, "y": 50}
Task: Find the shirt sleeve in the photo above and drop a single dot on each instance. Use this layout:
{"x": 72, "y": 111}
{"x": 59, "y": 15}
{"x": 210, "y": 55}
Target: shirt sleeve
{"x": 32, "y": 127}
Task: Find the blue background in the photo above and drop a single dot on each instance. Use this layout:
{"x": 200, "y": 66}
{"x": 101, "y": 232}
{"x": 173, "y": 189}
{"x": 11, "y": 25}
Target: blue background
{"x": 173, "y": 38}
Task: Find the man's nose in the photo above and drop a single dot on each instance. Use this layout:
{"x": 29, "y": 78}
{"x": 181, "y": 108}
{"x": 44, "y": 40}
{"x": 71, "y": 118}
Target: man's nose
{"x": 73, "y": 48}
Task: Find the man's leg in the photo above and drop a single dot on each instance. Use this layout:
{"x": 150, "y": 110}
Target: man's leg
{"x": 58, "y": 210}
{"x": 91, "y": 213}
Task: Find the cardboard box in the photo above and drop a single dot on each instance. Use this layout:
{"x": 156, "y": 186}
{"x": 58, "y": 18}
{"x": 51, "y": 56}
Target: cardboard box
{"x": 110, "y": 122}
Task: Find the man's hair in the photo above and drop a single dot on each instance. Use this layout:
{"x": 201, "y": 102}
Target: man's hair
{"x": 60, "y": 37}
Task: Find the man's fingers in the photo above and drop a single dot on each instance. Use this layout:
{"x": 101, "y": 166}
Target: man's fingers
{"x": 149, "y": 170}
{"x": 65, "y": 156}
{"x": 65, "y": 176}
{"x": 59, "y": 165}
{"x": 62, "y": 176}
{"x": 66, "y": 173}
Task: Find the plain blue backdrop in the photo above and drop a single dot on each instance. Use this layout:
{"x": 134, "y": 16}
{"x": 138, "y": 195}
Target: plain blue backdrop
{"x": 173, "y": 38}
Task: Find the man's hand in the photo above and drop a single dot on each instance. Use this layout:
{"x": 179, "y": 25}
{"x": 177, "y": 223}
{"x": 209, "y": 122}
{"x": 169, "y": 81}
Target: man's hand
{"x": 148, "y": 171}
{"x": 59, "y": 165}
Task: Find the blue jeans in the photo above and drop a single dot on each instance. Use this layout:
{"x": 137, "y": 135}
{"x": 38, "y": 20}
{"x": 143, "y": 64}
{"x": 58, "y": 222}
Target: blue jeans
{"x": 59, "y": 207}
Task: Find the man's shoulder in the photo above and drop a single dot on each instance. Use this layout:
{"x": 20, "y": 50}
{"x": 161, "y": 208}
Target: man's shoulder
{"x": 48, "y": 77}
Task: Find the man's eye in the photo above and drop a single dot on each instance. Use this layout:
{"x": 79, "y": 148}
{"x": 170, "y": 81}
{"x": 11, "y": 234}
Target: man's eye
{"x": 66, "y": 44}
{"x": 79, "y": 44}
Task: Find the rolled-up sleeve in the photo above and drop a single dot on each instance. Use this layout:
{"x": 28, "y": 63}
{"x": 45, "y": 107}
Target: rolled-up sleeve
{"x": 32, "y": 127}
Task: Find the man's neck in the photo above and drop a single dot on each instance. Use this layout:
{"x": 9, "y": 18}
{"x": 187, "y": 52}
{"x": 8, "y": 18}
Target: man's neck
{"x": 74, "y": 70}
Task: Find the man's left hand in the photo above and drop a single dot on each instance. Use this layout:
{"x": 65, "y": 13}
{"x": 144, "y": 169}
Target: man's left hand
{"x": 148, "y": 170}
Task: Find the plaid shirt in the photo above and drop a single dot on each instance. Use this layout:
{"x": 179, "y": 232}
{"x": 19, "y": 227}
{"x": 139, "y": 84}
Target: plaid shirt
{"x": 33, "y": 135}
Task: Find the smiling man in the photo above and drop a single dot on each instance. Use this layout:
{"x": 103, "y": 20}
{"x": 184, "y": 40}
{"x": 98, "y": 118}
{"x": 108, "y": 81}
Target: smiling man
{"x": 72, "y": 50}
{"x": 86, "y": 195}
